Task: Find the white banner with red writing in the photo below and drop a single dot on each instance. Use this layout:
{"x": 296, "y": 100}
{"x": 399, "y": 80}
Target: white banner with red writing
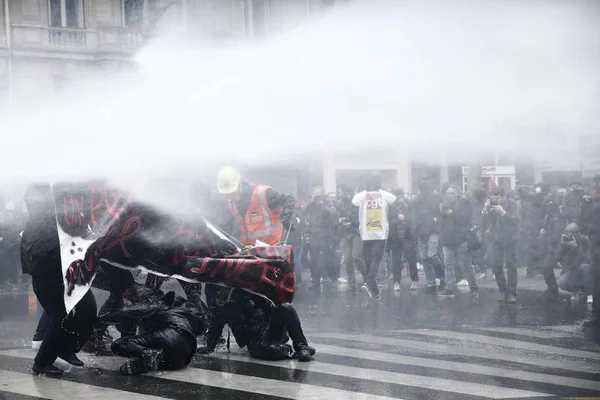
{"x": 99, "y": 223}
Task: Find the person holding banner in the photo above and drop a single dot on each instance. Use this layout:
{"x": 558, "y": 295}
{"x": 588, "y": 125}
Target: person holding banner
{"x": 261, "y": 212}
{"x": 40, "y": 257}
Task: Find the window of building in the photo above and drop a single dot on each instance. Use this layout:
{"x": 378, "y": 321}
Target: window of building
{"x": 133, "y": 11}
{"x": 66, "y": 13}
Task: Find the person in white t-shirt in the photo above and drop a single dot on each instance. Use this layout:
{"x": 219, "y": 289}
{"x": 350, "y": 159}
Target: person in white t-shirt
{"x": 373, "y": 207}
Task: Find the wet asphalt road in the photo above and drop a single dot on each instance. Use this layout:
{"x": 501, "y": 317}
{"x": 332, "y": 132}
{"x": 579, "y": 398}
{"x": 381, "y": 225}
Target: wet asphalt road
{"x": 408, "y": 345}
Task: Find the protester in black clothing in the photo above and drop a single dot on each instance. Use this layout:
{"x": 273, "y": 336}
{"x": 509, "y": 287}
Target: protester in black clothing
{"x": 426, "y": 210}
{"x": 571, "y": 207}
{"x": 574, "y": 258}
{"x": 321, "y": 220}
{"x": 550, "y": 236}
{"x": 352, "y": 257}
{"x": 168, "y": 327}
{"x": 533, "y": 221}
{"x": 260, "y": 326}
{"x": 113, "y": 280}
{"x": 401, "y": 242}
{"x": 455, "y": 217}
{"x": 40, "y": 257}
{"x": 500, "y": 216}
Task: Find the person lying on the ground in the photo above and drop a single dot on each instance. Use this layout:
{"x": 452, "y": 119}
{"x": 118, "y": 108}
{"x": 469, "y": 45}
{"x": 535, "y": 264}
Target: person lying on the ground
{"x": 168, "y": 326}
{"x": 260, "y": 326}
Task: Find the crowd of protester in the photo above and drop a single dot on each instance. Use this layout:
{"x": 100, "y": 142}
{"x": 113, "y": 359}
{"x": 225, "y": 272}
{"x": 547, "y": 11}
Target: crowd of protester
{"x": 456, "y": 238}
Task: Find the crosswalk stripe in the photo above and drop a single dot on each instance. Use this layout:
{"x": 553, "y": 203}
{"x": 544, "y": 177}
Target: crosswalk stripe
{"x": 465, "y": 388}
{"x": 289, "y": 390}
{"x": 38, "y": 386}
{"x": 225, "y": 380}
{"x": 526, "y": 332}
{"x": 460, "y": 367}
{"x": 463, "y": 351}
{"x": 516, "y": 344}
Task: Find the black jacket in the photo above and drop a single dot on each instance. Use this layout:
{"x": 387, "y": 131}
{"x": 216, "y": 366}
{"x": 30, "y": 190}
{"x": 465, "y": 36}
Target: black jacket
{"x": 40, "y": 246}
{"x": 425, "y": 210}
{"x": 504, "y": 229}
{"x": 321, "y": 219}
{"x": 246, "y": 315}
{"x": 572, "y": 205}
{"x": 456, "y": 227}
{"x": 160, "y": 312}
{"x": 400, "y": 229}
{"x": 571, "y": 258}
{"x": 348, "y": 214}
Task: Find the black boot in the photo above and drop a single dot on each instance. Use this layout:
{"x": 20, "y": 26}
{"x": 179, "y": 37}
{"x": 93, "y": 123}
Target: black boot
{"x": 72, "y": 359}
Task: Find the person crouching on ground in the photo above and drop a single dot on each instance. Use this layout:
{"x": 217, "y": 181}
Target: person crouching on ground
{"x": 168, "y": 327}
{"x": 258, "y": 325}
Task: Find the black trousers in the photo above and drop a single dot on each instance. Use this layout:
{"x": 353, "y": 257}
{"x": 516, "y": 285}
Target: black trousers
{"x": 550, "y": 260}
{"x": 504, "y": 254}
{"x": 178, "y": 347}
{"x": 65, "y": 334}
{"x": 320, "y": 257}
{"x": 373, "y": 253}
{"x": 273, "y": 345}
{"x": 111, "y": 279}
{"x": 406, "y": 248}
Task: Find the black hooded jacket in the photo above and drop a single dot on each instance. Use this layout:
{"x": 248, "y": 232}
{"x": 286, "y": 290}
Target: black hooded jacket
{"x": 40, "y": 246}
{"x": 160, "y": 312}
{"x": 426, "y": 209}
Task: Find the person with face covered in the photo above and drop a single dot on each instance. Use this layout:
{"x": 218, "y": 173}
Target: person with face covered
{"x": 258, "y": 324}
{"x": 168, "y": 326}
{"x": 455, "y": 217}
{"x": 40, "y": 257}
{"x": 500, "y": 216}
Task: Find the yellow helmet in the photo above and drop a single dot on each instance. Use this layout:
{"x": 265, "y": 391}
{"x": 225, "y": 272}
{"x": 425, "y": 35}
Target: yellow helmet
{"x": 228, "y": 180}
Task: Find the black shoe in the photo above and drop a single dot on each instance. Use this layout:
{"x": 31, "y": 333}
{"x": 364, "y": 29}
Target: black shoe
{"x": 47, "y": 370}
{"x": 72, "y": 359}
{"x": 304, "y": 355}
{"x": 311, "y": 350}
{"x": 592, "y": 322}
{"x": 446, "y": 293}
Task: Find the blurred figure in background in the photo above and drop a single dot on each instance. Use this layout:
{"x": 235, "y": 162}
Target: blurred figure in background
{"x": 500, "y": 216}
{"x": 573, "y": 255}
{"x": 373, "y": 214}
{"x": 550, "y": 236}
{"x": 320, "y": 219}
{"x": 351, "y": 243}
{"x": 426, "y": 211}
{"x": 11, "y": 225}
{"x": 400, "y": 241}
{"x": 590, "y": 219}
{"x": 455, "y": 217}
{"x": 573, "y": 202}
